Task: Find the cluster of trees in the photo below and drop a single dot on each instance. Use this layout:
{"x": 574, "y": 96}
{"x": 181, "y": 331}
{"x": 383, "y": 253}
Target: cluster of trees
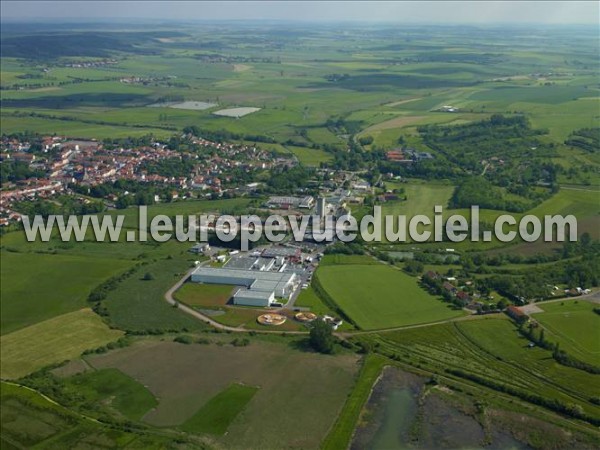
{"x": 536, "y": 283}
{"x": 225, "y": 135}
{"x": 578, "y": 265}
{"x": 473, "y": 261}
{"x": 66, "y": 205}
{"x": 100, "y": 292}
{"x": 12, "y": 170}
{"x": 526, "y": 286}
{"x": 321, "y": 337}
{"x": 480, "y": 191}
{"x": 73, "y": 80}
{"x": 120, "y": 343}
{"x": 414, "y": 267}
{"x": 170, "y": 167}
{"x": 349, "y": 248}
{"x": 140, "y": 193}
{"x": 130, "y": 141}
{"x": 339, "y": 125}
{"x": 56, "y": 105}
{"x": 581, "y": 273}
{"x": 183, "y": 339}
{"x": 240, "y": 342}
{"x": 587, "y": 139}
{"x": 517, "y": 161}
{"x": 286, "y": 180}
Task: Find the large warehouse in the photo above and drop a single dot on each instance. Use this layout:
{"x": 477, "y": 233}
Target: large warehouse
{"x": 248, "y": 297}
{"x": 261, "y": 286}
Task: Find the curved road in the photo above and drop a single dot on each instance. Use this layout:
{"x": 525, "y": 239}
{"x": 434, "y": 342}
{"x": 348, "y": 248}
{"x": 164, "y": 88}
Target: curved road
{"x": 198, "y": 315}
{"x": 240, "y": 329}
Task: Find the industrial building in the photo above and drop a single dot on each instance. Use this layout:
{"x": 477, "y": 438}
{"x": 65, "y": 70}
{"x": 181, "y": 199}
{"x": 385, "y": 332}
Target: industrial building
{"x": 250, "y": 263}
{"x": 292, "y": 253}
{"x": 288, "y": 202}
{"x": 248, "y": 297}
{"x": 260, "y": 287}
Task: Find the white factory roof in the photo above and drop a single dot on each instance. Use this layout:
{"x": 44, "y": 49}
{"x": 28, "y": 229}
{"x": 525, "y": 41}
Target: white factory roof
{"x": 264, "y": 285}
{"x": 247, "y": 274}
{"x": 263, "y": 295}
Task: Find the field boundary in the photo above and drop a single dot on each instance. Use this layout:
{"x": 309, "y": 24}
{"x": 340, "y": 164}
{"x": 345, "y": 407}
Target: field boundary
{"x": 341, "y": 433}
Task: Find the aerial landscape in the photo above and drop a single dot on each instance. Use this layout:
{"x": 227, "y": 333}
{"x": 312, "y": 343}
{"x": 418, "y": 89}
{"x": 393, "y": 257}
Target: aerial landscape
{"x": 277, "y": 225}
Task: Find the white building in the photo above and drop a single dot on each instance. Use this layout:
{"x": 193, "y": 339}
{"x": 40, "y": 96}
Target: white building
{"x": 264, "y": 285}
{"x": 247, "y": 297}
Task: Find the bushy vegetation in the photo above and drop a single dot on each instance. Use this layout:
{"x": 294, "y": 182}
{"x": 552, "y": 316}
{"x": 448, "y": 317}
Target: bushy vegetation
{"x": 17, "y": 170}
{"x": 321, "y": 338}
{"x": 587, "y": 139}
{"x": 507, "y": 156}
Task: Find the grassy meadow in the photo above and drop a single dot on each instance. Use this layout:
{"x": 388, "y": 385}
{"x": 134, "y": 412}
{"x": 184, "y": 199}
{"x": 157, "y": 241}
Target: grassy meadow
{"x": 195, "y": 294}
{"x": 53, "y": 341}
{"x": 36, "y": 287}
{"x": 321, "y": 91}
{"x": 30, "y": 419}
{"x": 218, "y": 413}
{"x": 492, "y": 349}
{"x": 377, "y": 296}
{"x": 188, "y": 379}
{"x": 122, "y": 393}
{"x": 574, "y": 325}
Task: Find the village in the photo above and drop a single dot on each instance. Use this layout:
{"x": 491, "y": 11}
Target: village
{"x": 56, "y": 165}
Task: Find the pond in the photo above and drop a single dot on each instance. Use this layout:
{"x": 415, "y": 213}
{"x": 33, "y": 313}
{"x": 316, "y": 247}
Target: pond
{"x": 403, "y": 412}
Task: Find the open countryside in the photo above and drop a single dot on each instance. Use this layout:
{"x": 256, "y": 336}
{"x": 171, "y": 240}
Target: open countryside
{"x": 376, "y": 297}
{"x": 322, "y": 111}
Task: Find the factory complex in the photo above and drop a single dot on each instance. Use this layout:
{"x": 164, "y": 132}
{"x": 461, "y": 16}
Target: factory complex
{"x": 262, "y": 277}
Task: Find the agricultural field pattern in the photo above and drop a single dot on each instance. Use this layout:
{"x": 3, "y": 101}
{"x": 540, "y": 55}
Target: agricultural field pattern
{"x": 371, "y": 344}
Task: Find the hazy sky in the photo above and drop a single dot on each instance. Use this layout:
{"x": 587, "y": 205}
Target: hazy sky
{"x": 558, "y": 12}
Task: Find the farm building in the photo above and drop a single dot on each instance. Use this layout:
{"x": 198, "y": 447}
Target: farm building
{"x": 516, "y": 314}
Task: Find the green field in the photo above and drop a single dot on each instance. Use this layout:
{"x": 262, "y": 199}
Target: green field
{"x": 30, "y": 420}
{"x": 491, "y": 348}
{"x": 377, "y": 296}
{"x": 310, "y": 389}
{"x": 421, "y": 198}
{"x": 336, "y": 97}
{"x": 218, "y": 413}
{"x": 575, "y": 326}
{"x": 138, "y": 304}
{"x": 309, "y": 298}
{"x": 37, "y": 287}
{"x": 341, "y": 433}
{"x": 195, "y": 294}
{"x": 309, "y": 156}
{"x": 53, "y": 341}
{"x": 113, "y": 387}
{"x": 339, "y": 259}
